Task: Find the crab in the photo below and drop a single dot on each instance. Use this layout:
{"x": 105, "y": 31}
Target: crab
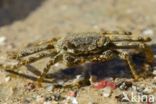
{"x": 78, "y": 48}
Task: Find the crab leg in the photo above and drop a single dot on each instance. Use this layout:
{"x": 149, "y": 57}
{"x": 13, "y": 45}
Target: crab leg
{"x": 29, "y": 51}
{"x": 139, "y": 46}
{"x": 109, "y": 55}
{"x": 29, "y": 60}
{"x": 116, "y": 33}
{"x": 51, "y": 62}
{"x": 129, "y": 38}
{"x": 128, "y": 58}
{"x": 106, "y": 56}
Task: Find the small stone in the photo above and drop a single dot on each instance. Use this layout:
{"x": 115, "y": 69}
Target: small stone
{"x": 148, "y": 90}
{"x": 78, "y": 79}
{"x": 48, "y": 98}
{"x": 72, "y": 93}
{"x": 27, "y": 101}
{"x": 60, "y": 82}
{"x": 92, "y": 103}
{"x": 123, "y": 98}
{"x": 93, "y": 79}
{"x": 148, "y": 32}
{"x": 137, "y": 89}
{"x": 154, "y": 72}
{"x": 40, "y": 99}
{"x": 49, "y": 87}
{"x": 54, "y": 102}
{"x": 125, "y": 85}
{"x": 109, "y": 79}
{"x": 59, "y": 65}
{"x": 134, "y": 88}
{"x": 57, "y": 97}
{"x": 106, "y": 92}
{"x": 2, "y": 40}
{"x": 7, "y": 79}
{"x": 74, "y": 100}
{"x": 48, "y": 102}
{"x": 71, "y": 100}
{"x": 30, "y": 86}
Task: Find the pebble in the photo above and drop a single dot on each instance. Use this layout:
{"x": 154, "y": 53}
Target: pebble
{"x": 48, "y": 102}
{"x": 49, "y": 87}
{"x": 148, "y": 90}
{"x": 30, "y": 86}
{"x": 60, "y": 82}
{"x": 108, "y": 79}
{"x": 93, "y": 79}
{"x": 78, "y": 79}
{"x": 40, "y": 99}
{"x": 48, "y": 98}
{"x": 134, "y": 88}
{"x": 125, "y": 85}
{"x": 71, "y": 100}
{"x": 154, "y": 72}
{"x": 106, "y": 92}
{"x": 148, "y": 32}
{"x": 59, "y": 65}
{"x": 72, "y": 93}
{"x": 103, "y": 83}
{"x": 123, "y": 98}
{"x": 2, "y": 40}
{"x": 57, "y": 97}
{"x": 54, "y": 102}
{"x": 7, "y": 79}
{"x": 92, "y": 103}
{"x": 74, "y": 100}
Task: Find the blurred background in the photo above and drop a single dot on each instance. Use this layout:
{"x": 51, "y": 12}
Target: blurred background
{"x": 23, "y": 21}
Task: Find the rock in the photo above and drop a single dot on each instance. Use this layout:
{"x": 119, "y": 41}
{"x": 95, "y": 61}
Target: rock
{"x": 72, "y": 93}
{"x": 134, "y": 88}
{"x": 108, "y": 79}
{"x": 56, "y": 97}
{"x": 154, "y": 72}
{"x": 148, "y": 32}
{"x": 125, "y": 85}
{"x": 103, "y": 83}
{"x": 60, "y": 82}
{"x": 54, "y": 102}
{"x": 71, "y": 100}
{"x": 79, "y": 78}
{"x": 148, "y": 90}
{"x": 30, "y": 86}
{"x": 40, "y": 99}
{"x": 92, "y": 103}
{"x": 7, "y": 79}
{"x": 74, "y": 100}
{"x": 106, "y": 92}
{"x": 123, "y": 98}
{"x": 48, "y": 98}
{"x": 49, "y": 87}
{"x": 2, "y": 40}
{"x": 93, "y": 79}
{"x": 48, "y": 102}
